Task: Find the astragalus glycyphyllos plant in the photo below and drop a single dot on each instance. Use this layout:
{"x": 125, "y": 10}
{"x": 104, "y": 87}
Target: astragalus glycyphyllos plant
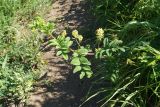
{"x": 64, "y": 44}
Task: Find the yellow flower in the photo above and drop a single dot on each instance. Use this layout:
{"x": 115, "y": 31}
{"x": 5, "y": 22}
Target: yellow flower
{"x": 64, "y": 33}
{"x": 77, "y": 36}
{"x": 100, "y": 34}
{"x": 75, "y": 33}
{"x": 80, "y": 38}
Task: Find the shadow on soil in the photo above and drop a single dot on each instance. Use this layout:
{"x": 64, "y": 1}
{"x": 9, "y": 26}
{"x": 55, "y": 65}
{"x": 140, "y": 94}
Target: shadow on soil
{"x": 68, "y": 91}
{"x": 78, "y": 17}
{"x": 64, "y": 88}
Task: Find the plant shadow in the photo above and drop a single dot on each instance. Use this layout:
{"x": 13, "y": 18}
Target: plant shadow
{"x": 59, "y": 86}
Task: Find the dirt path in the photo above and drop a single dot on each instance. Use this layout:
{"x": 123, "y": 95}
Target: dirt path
{"x": 59, "y": 87}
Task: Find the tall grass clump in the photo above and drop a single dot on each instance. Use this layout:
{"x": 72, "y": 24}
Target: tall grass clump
{"x": 128, "y": 74}
{"x": 120, "y": 12}
{"x": 19, "y": 49}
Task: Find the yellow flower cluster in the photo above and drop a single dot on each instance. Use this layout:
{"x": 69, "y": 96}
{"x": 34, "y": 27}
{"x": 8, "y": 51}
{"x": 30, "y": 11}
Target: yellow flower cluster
{"x": 76, "y": 35}
{"x": 99, "y": 34}
{"x": 64, "y": 33}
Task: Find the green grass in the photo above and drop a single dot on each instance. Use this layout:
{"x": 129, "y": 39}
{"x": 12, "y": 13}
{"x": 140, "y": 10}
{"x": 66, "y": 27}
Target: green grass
{"x": 22, "y": 10}
{"x": 127, "y": 78}
{"x": 19, "y": 48}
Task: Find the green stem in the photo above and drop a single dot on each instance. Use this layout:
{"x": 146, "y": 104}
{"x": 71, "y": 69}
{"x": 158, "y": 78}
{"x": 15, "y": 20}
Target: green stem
{"x": 78, "y": 43}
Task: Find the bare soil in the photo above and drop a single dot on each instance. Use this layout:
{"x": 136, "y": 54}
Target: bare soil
{"x": 59, "y": 87}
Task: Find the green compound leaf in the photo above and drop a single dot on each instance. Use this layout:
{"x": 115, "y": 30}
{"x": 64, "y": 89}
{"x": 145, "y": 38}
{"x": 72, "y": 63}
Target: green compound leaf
{"x": 86, "y": 68}
{"x": 75, "y": 54}
{"x": 83, "y": 51}
{"x": 89, "y": 74}
{"x": 75, "y": 61}
{"x": 82, "y": 75}
{"x": 53, "y": 42}
{"x": 77, "y": 68}
{"x": 84, "y": 61}
{"x": 65, "y": 56}
{"x": 59, "y": 53}
{"x": 69, "y": 43}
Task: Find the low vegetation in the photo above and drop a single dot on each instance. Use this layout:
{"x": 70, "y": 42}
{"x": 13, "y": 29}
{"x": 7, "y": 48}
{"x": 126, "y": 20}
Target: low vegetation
{"x": 19, "y": 49}
{"x": 127, "y": 52}
{"x": 128, "y": 72}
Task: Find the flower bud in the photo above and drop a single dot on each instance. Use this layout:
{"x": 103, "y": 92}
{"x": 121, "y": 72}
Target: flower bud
{"x": 100, "y": 34}
{"x": 80, "y": 38}
{"x": 75, "y": 33}
{"x": 64, "y": 33}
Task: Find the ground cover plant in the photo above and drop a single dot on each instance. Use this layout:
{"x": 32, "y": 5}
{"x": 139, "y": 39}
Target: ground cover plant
{"x": 128, "y": 72}
{"x": 19, "y": 49}
{"x": 76, "y": 56}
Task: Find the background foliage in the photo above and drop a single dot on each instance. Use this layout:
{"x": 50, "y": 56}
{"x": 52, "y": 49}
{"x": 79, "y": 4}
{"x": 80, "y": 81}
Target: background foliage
{"x": 128, "y": 73}
{"x": 19, "y": 48}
